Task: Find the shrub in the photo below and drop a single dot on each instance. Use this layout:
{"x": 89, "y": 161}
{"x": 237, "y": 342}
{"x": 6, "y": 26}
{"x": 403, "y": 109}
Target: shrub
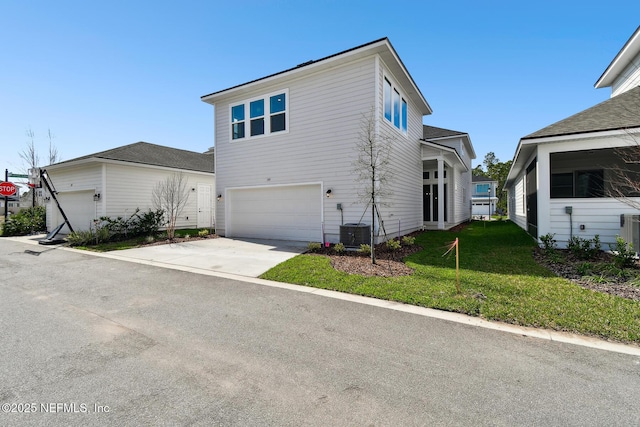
{"x": 314, "y": 246}
{"x": 81, "y": 238}
{"x": 365, "y": 249}
{"x": 584, "y": 248}
{"x": 339, "y": 248}
{"x": 585, "y": 269}
{"x": 408, "y": 240}
{"x": 120, "y": 228}
{"x": 27, "y": 221}
{"x": 548, "y": 242}
{"x": 623, "y": 253}
{"x": 393, "y": 245}
{"x": 203, "y": 233}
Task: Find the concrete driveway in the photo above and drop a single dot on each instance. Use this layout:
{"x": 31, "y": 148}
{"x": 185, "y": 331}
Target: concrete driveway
{"x": 246, "y": 257}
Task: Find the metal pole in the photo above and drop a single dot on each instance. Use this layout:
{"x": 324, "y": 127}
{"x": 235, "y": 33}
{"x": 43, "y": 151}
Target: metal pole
{"x": 6, "y": 198}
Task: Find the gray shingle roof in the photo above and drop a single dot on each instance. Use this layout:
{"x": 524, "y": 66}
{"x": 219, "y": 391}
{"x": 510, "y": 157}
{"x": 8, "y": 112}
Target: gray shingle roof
{"x": 479, "y": 178}
{"x": 620, "y": 112}
{"x": 156, "y": 155}
{"x": 431, "y": 132}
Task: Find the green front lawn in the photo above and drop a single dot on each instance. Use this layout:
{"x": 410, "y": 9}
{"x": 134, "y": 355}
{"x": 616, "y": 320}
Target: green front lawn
{"x": 499, "y": 281}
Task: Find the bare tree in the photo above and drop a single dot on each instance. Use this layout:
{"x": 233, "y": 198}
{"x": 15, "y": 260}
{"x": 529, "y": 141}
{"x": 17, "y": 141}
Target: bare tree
{"x": 30, "y": 154}
{"x": 372, "y": 169}
{"x": 171, "y": 195}
{"x": 54, "y": 156}
{"x": 624, "y": 183}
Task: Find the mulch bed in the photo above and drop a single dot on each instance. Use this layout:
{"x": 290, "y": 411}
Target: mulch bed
{"x": 568, "y": 269}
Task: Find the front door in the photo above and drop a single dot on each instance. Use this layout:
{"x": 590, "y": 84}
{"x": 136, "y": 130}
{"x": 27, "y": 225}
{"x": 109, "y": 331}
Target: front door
{"x": 204, "y": 219}
{"x": 430, "y": 200}
{"x": 426, "y": 202}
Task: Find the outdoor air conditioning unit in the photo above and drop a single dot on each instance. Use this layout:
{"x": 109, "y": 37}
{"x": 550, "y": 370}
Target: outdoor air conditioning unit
{"x": 354, "y": 235}
{"x": 630, "y": 230}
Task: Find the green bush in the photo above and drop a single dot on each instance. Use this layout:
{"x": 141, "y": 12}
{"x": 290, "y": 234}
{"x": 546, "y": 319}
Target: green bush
{"x": 138, "y": 224}
{"x": 339, "y": 247}
{"x": 365, "y": 249}
{"x": 584, "y": 248}
{"x": 203, "y": 233}
{"x": 393, "y": 245}
{"x": 408, "y": 240}
{"x": 548, "y": 242}
{"x": 27, "y": 221}
{"x": 623, "y": 253}
{"x": 314, "y": 246}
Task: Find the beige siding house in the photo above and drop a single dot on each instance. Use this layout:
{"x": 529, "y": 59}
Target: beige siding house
{"x": 118, "y": 181}
{"x": 286, "y": 145}
{"x": 562, "y": 180}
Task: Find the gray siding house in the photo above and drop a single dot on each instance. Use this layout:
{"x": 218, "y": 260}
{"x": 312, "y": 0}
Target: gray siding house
{"x": 286, "y": 144}
{"x": 115, "y": 182}
{"x": 562, "y": 180}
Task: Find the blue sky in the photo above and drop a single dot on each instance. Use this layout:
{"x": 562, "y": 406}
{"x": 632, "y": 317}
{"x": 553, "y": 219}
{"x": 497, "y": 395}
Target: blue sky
{"x": 105, "y": 74}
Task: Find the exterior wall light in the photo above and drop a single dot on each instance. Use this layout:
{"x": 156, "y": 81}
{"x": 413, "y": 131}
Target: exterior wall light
{"x": 219, "y": 197}
{"x": 96, "y": 197}
{"x": 328, "y": 193}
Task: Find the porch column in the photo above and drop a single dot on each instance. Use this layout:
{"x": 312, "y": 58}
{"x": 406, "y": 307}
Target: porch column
{"x": 441, "y": 195}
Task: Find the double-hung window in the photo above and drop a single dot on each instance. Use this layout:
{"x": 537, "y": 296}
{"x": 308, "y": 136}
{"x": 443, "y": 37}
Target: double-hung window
{"x": 394, "y": 106}
{"x": 266, "y": 115}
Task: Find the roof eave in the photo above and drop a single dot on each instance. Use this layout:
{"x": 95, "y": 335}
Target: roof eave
{"x": 379, "y": 46}
{"x": 628, "y": 52}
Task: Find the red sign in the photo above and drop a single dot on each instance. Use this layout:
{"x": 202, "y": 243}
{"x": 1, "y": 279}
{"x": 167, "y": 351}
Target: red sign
{"x": 7, "y": 188}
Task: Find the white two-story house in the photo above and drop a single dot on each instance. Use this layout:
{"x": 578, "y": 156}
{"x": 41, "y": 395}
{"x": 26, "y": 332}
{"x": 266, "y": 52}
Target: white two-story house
{"x": 286, "y": 146}
{"x": 563, "y": 177}
{"x": 484, "y": 197}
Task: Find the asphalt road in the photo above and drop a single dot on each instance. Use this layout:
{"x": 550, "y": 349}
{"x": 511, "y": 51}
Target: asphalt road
{"x": 94, "y": 341}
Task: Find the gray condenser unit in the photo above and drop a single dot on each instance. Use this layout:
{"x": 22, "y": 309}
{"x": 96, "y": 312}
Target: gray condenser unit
{"x": 354, "y": 235}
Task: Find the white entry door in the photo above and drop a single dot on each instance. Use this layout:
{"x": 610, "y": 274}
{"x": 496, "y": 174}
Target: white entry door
{"x": 204, "y": 219}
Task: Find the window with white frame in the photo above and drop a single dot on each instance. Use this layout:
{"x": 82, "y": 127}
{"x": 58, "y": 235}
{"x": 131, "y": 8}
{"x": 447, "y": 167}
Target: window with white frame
{"x": 395, "y": 108}
{"x": 266, "y": 115}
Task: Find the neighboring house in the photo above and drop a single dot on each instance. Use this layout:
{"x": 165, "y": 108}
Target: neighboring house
{"x": 562, "y": 175}
{"x": 483, "y": 197}
{"x": 115, "y": 182}
{"x": 286, "y": 144}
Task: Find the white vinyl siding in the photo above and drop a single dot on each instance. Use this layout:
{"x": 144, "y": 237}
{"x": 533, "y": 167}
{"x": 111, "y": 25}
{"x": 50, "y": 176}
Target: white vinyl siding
{"x": 325, "y": 112}
{"x": 628, "y": 79}
{"x": 599, "y": 216}
{"x": 123, "y": 188}
{"x": 131, "y": 187}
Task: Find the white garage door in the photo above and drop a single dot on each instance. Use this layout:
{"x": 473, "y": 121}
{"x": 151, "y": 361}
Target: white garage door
{"x": 283, "y": 213}
{"x": 79, "y": 208}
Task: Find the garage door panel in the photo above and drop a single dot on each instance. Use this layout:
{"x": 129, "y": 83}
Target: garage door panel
{"x": 288, "y": 213}
{"x": 79, "y": 208}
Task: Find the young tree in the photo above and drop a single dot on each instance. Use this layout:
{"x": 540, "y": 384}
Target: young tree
{"x": 171, "y": 195}
{"x": 372, "y": 169}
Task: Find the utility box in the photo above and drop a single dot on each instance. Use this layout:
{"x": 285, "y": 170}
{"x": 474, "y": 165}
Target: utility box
{"x": 630, "y": 230}
{"x": 354, "y": 235}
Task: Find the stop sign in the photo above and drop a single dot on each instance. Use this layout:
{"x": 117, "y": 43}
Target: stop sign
{"x": 7, "y": 188}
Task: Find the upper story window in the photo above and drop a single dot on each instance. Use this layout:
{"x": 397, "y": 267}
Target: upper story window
{"x": 266, "y": 115}
{"x": 394, "y": 106}
{"x": 482, "y": 188}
